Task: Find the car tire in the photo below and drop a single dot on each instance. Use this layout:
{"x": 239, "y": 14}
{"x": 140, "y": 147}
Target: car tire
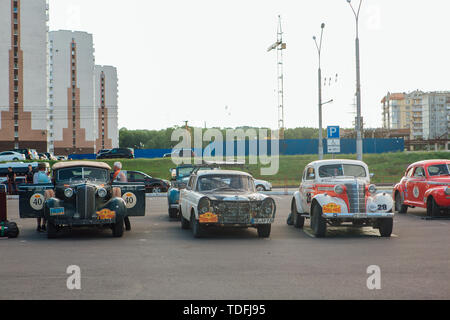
{"x": 197, "y": 228}
{"x": 173, "y": 213}
{"x": 185, "y": 224}
{"x": 52, "y": 230}
{"x": 385, "y": 227}
{"x": 260, "y": 188}
{"x": 156, "y": 189}
{"x": 13, "y": 230}
{"x": 433, "y": 210}
{"x": 318, "y": 223}
{"x": 298, "y": 220}
{"x": 118, "y": 227}
{"x": 15, "y": 159}
{"x": 399, "y": 207}
{"x": 264, "y": 230}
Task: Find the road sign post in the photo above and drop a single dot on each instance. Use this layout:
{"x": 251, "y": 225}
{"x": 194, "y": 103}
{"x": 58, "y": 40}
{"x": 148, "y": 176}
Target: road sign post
{"x": 334, "y": 140}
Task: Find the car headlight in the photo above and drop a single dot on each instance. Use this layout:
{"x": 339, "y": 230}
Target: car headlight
{"x": 204, "y": 206}
{"x": 372, "y": 189}
{"x": 339, "y": 189}
{"x": 373, "y": 207}
{"x": 68, "y": 193}
{"x": 268, "y": 207}
{"x": 101, "y": 192}
{"x": 447, "y": 191}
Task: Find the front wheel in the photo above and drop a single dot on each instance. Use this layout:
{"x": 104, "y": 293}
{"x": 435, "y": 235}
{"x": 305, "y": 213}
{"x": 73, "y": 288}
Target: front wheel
{"x": 299, "y": 221}
{"x": 264, "y": 230}
{"x": 318, "y": 223}
{"x": 185, "y": 225}
{"x": 260, "y": 188}
{"x": 399, "y": 207}
{"x": 433, "y": 209}
{"x": 118, "y": 227}
{"x": 197, "y": 228}
{"x": 385, "y": 226}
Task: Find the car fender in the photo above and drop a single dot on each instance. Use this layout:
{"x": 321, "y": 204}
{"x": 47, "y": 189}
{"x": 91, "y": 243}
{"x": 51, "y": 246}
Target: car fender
{"x": 298, "y": 202}
{"x": 117, "y": 205}
{"x": 323, "y": 200}
{"x": 51, "y": 203}
{"x": 398, "y": 187}
{"x": 380, "y": 199}
{"x": 438, "y": 194}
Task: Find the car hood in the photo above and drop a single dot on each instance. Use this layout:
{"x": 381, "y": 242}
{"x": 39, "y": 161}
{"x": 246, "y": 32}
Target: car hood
{"x": 344, "y": 180}
{"x": 236, "y": 196}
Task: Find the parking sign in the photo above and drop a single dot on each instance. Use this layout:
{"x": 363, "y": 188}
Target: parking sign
{"x": 333, "y": 132}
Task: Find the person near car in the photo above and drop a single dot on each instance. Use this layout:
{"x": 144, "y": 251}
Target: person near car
{"x": 120, "y": 176}
{"x": 29, "y": 175}
{"x": 41, "y": 177}
{"x": 11, "y": 175}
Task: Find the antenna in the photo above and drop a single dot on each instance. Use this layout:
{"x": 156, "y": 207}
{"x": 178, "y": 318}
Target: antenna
{"x": 280, "y": 46}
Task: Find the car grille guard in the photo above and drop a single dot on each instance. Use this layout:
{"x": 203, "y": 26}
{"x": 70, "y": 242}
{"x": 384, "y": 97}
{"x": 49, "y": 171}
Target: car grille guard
{"x": 356, "y": 193}
{"x": 85, "y": 199}
{"x": 238, "y": 212}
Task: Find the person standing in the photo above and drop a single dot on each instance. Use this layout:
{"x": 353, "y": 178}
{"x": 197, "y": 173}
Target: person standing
{"x": 29, "y": 175}
{"x": 41, "y": 177}
{"x": 120, "y": 176}
{"x": 11, "y": 175}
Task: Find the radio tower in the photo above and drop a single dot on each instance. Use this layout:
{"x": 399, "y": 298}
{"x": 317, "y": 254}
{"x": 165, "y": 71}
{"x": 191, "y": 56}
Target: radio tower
{"x": 280, "y": 46}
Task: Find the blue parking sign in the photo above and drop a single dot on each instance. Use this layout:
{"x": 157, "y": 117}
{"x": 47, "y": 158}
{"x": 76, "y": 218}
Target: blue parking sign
{"x": 333, "y": 132}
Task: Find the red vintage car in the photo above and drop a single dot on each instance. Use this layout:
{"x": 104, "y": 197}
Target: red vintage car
{"x": 426, "y": 184}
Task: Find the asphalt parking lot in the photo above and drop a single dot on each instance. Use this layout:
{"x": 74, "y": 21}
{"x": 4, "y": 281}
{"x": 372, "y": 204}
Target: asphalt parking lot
{"x": 158, "y": 260}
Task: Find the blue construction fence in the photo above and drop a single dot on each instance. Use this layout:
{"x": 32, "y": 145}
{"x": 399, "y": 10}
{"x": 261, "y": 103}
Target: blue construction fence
{"x": 286, "y": 147}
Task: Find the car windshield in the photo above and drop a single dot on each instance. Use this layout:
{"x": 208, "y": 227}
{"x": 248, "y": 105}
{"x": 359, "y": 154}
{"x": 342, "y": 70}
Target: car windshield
{"x": 342, "y": 170}
{"x": 82, "y": 173}
{"x": 439, "y": 170}
{"x": 224, "y": 182}
{"x": 185, "y": 172}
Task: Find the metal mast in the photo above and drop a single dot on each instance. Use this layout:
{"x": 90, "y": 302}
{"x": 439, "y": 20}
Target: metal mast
{"x": 280, "y": 46}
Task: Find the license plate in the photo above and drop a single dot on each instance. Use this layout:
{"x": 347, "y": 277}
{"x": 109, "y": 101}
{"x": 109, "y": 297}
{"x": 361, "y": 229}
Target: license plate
{"x": 208, "y": 218}
{"x": 56, "y": 212}
{"x": 262, "y": 221}
{"x": 106, "y": 214}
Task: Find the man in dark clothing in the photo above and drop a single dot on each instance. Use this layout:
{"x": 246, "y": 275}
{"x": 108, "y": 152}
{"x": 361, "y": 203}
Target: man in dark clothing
{"x": 11, "y": 181}
{"x": 30, "y": 174}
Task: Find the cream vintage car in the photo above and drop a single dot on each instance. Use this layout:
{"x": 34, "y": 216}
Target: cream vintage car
{"x": 227, "y": 199}
{"x": 339, "y": 193}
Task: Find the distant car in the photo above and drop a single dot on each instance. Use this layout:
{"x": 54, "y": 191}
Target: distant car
{"x": 50, "y": 156}
{"x": 262, "y": 185}
{"x": 223, "y": 198}
{"x": 180, "y": 153}
{"x": 61, "y": 158}
{"x": 339, "y": 193}
{"x": 11, "y": 156}
{"x": 117, "y": 153}
{"x": 426, "y": 184}
{"x": 152, "y": 185}
{"x": 42, "y": 156}
{"x": 29, "y": 153}
{"x": 102, "y": 151}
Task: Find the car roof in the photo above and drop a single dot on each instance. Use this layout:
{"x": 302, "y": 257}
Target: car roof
{"x": 429, "y": 162}
{"x": 222, "y": 172}
{"x": 337, "y": 161}
{"x": 71, "y": 164}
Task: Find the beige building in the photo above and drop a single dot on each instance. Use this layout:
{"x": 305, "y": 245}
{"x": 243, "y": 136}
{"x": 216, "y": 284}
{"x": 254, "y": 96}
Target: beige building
{"x": 23, "y": 74}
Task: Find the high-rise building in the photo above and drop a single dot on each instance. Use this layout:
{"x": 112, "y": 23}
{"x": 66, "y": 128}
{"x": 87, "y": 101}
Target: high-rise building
{"x": 426, "y": 114}
{"x": 23, "y": 74}
{"x": 106, "y": 105}
{"x": 73, "y": 120}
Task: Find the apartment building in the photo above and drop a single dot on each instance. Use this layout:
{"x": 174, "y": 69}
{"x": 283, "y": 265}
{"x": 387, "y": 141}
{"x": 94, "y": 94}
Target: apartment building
{"x": 425, "y": 114}
{"x": 106, "y": 105}
{"x": 23, "y": 74}
{"x": 72, "y": 114}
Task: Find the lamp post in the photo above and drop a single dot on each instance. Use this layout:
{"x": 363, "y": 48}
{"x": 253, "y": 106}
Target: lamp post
{"x": 359, "y": 144}
{"x": 319, "y": 51}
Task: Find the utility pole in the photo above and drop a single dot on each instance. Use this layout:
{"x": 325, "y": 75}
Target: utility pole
{"x": 280, "y": 46}
{"x": 319, "y": 51}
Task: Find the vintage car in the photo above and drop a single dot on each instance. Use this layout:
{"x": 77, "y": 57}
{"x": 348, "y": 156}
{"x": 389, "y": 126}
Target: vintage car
{"x": 227, "y": 199}
{"x": 339, "y": 193}
{"x": 82, "y": 194}
{"x": 426, "y": 184}
{"x": 263, "y": 185}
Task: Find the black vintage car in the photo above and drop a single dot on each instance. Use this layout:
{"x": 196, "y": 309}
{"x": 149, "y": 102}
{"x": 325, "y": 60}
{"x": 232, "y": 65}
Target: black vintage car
{"x": 81, "y": 194}
{"x": 152, "y": 185}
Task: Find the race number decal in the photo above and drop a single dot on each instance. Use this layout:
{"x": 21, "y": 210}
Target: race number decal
{"x": 37, "y": 201}
{"x": 416, "y": 192}
{"x": 130, "y": 199}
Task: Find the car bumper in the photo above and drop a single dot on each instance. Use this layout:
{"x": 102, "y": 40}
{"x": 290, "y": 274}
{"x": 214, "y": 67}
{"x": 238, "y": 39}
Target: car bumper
{"x": 367, "y": 215}
{"x": 80, "y": 223}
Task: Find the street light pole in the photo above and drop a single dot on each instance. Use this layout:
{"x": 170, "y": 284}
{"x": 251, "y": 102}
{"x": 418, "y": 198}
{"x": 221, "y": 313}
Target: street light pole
{"x": 359, "y": 143}
{"x": 319, "y": 51}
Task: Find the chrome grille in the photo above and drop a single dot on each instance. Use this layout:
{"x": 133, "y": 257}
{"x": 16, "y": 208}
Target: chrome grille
{"x": 86, "y": 201}
{"x": 356, "y": 197}
{"x": 231, "y": 212}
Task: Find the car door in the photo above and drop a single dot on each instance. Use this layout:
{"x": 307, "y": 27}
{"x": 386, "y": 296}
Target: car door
{"x": 307, "y": 188}
{"x": 32, "y": 200}
{"x": 415, "y": 184}
{"x": 133, "y": 193}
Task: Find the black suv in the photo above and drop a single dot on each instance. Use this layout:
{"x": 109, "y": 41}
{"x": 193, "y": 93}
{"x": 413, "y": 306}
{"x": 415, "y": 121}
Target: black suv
{"x": 117, "y": 153}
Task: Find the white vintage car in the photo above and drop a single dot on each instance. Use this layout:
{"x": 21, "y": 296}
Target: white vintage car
{"x": 227, "y": 199}
{"x": 339, "y": 193}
